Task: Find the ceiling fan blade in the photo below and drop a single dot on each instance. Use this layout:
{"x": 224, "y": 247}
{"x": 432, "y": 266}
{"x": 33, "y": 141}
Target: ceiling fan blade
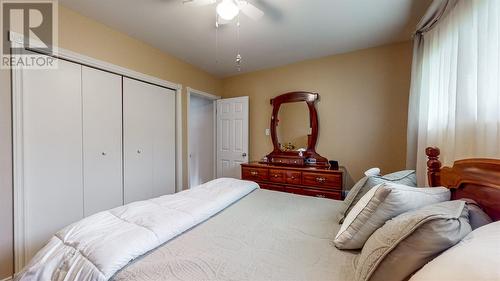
{"x": 250, "y": 10}
{"x": 272, "y": 11}
{"x": 197, "y": 3}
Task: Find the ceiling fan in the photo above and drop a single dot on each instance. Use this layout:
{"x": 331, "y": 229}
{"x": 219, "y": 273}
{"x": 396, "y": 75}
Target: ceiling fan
{"x": 229, "y": 9}
{"x": 226, "y": 11}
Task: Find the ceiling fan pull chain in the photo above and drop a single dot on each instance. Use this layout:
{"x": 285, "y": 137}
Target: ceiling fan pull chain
{"x": 216, "y": 38}
{"x": 238, "y": 56}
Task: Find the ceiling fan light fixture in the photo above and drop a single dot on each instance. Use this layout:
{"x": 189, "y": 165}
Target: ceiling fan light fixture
{"x": 227, "y": 9}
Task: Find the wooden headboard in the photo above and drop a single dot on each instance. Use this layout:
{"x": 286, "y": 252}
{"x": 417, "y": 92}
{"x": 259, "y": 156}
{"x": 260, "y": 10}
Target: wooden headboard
{"x": 477, "y": 179}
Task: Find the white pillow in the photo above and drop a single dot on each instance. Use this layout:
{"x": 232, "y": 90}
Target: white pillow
{"x": 382, "y": 203}
{"x": 476, "y": 258}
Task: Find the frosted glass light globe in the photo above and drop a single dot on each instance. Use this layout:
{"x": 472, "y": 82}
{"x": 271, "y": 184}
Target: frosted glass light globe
{"x": 227, "y": 9}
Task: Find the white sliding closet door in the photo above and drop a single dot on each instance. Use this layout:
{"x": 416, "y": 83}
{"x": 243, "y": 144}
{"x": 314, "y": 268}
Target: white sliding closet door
{"x": 51, "y": 154}
{"x": 149, "y": 140}
{"x": 102, "y": 140}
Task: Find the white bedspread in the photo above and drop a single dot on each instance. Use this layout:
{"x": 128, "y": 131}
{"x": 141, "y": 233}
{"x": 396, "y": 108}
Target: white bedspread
{"x": 96, "y": 247}
{"x": 266, "y": 236}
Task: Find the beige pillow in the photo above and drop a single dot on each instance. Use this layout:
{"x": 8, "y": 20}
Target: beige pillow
{"x": 352, "y": 198}
{"x": 406, "y": 243}
{"x": 476, "y": 257}
{"x": 380, "y": 204}
{"x": 371, "y": 179}
{"x": 477, "y": 217}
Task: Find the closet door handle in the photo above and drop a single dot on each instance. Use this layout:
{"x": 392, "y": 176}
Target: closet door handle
{"x": 139, "y": 151}
{"x": 103, "y": 153}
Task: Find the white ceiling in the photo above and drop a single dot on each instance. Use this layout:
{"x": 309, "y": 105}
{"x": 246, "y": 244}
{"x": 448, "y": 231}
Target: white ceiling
{"x": 291, "y": 30}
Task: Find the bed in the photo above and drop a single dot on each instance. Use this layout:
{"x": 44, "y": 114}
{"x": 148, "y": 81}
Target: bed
{"x": 269, "y": 235}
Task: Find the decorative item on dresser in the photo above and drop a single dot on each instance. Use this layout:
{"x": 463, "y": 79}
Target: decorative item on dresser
{"x": 294, "y": 166}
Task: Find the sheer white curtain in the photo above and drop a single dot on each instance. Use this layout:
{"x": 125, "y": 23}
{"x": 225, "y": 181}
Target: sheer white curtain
{"x": 458, "y": 90}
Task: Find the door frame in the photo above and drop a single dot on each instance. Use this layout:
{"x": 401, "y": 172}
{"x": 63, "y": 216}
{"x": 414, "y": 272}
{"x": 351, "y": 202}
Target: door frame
{"x": 213, "y": 98}
{"x": 17, "y": 42}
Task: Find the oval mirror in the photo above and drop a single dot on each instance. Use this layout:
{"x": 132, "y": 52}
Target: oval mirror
{"x": 294, "y": 127}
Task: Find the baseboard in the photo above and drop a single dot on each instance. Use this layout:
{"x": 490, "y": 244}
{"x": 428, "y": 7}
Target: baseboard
{"x": 7, "y": 279}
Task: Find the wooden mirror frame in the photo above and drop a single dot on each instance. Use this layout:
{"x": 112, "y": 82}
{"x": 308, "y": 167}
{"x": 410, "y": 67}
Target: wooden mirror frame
{"x": 277, "y": 156}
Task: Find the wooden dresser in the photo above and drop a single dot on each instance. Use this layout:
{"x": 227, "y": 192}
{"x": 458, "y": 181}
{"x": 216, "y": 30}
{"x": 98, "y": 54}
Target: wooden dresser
{"x": 310, "y": 181}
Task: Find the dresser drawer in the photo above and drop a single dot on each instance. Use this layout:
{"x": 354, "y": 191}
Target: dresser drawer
{"x": 272, "y": 187}
{"x": 255, "y": 174}
{"x": 322, "y": 180}
{"x": 322, "y": 194}
{"x": 314, "y": 192}
{"x": 294, "y": 190}
{"x": 277, "y": 175}
{"x": 293, "y": 177}
{"x": 288, "y": 161}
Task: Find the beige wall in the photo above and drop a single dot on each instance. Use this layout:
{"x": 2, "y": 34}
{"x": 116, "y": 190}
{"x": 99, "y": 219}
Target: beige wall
{"x": 88, "y": 37}
{"x": 362, "y": 108}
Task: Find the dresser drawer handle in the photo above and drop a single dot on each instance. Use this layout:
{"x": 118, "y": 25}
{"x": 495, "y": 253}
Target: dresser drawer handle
{"x": 321, "y": 180}
{"x": 293, "y": 177}
{"x": 320, "y": 196}
{"x": 276, "y": 176}
{"x": 254, "y": 173}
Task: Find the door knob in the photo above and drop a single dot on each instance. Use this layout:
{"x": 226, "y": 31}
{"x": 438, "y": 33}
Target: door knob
{"x": 244, "y": 154}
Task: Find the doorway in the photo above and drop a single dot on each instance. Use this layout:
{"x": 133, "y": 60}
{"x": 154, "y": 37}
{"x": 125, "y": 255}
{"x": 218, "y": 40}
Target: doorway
{"x": 232, "y": 136}
{"x": 201, "y": 137}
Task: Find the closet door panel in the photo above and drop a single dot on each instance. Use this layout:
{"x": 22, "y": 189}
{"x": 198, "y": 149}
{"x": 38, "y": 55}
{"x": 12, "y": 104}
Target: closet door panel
{"x": 102, "y": 140}
{"x": 163, "y": 137}
{"x": 149, "y": 140}
{"x": 52, "y": 151}
{"x": 138, "y": 155}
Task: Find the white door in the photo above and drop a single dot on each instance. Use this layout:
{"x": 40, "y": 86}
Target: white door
{"x": 232, "y": 136}
{"x": 102, "y": 140}
{"x": 163, "y": 140}
{"x": 148, "y": 139}
{"x": 51, "y": 145}
{"x": 201, "y": 140}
